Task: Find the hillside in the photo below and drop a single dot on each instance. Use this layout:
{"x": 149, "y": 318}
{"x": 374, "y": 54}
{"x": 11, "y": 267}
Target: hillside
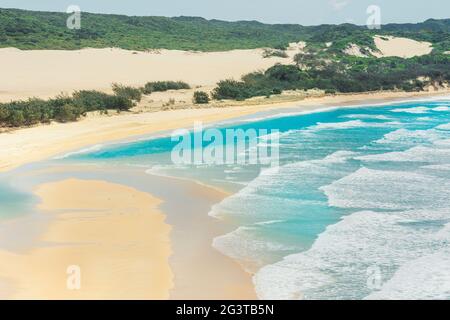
{"x": 47, "y": 30}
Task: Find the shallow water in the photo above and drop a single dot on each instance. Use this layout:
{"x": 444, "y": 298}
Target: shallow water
{"x": 359, "y": 207}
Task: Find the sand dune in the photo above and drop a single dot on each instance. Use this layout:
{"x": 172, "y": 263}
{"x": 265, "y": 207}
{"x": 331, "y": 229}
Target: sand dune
{"x": 401, "y": 47}
{"x": 46, "y": 73}
{"x": 390, "y": 47}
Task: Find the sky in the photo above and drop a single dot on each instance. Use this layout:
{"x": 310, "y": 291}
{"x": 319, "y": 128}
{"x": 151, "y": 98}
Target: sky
{"x": 305, "y": 12}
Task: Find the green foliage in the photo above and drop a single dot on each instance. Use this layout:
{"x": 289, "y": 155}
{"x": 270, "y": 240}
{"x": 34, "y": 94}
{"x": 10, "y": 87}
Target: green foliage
{"x": 275, "y": 53}
{"x": 161, "y": 86}
{"x": 200, "y": 97}
{"x": 47, "y": 30}
{"x": 348, "y": 74}
{"x": 91, "y": 100}
{"x": 61, "y": 108}
{"x": 131, "y": 93}
{"x": 231, "y": 89}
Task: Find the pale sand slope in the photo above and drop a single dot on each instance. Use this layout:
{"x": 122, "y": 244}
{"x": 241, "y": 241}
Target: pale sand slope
{"x": 401, "y": 47}
{"x": 46, "y": 73}
{"x": 115, "y": 234}
{"x": 38, "y": 143}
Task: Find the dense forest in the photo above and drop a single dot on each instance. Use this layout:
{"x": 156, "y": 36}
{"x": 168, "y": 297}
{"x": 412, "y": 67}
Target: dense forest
{"x": 46, "y": 30}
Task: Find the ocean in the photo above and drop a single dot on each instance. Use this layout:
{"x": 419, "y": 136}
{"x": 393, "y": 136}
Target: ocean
{"x": 358, "y": 208}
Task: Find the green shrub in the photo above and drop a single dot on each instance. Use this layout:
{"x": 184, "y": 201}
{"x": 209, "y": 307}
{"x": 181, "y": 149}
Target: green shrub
{"x": 127, "y": 92}
{"x": 201, "y": 97}
{"x": 161, "y": 86}
{"x": 91, "y": 100}
{"x": 274, "y": 53}
{"x": 17, "y": 118}
{"x": 61, "y": 109}
{"x": 231, "y": 89}
{"x": 277, "y": 91}
{"x": 67, "y": 113}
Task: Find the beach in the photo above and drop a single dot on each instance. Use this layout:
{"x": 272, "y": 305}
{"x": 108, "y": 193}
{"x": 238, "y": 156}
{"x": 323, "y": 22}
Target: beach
{"x": 113, "y": 233}
{"x": 157, "y": 242}
{"x": 122, "y": 242}
{"x": 136, "y": 236}
{"x": 27, "y": 145}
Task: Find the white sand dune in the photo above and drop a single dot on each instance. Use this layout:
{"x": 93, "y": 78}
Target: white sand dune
{"x": 391, "y": 47}
{"x": 401, "y": 47}
{"x": 46, "y": 73}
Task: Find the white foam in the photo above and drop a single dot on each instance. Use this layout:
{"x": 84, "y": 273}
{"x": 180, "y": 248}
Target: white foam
{"x": 425, "y": 278}
{"x": 264, "y": 223}
{"x": 336, "y": 266}
{"x": 442, "y": 167}
{"x": 444, "y": 126}
{"x": 93, "y": 148}
{"x": 252, "y": 249}
{"x": 395, "y": 190}
{"x": 278, "y": 177}
{"x": 414, "y": 110}
{"x": 350, "y": 124}
{"x": 415, "y": 154}
{"x": 441, "y": 108}
{"x": 367, "y": 116}
{"x": 411, "y": 137}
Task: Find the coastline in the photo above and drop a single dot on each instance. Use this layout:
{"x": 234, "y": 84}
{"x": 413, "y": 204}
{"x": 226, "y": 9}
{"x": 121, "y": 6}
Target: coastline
{"x": 194, "y": 222}
{"x": 33, "y": 144}
{"x": 134, "y": 236}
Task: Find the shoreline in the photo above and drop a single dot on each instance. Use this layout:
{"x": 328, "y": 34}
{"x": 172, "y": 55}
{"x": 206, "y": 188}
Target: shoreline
{"x": 190, "y": 275}
{"x": 115, "y": 235}
{"x": 27, "y": 145}
{"x": 177, "y": 234}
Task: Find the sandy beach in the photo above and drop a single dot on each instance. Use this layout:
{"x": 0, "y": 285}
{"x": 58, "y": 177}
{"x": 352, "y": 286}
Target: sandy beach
{"x": 113, "y": 233}
{"x": 125, "y": 247}
{"x": 27, "y": 145}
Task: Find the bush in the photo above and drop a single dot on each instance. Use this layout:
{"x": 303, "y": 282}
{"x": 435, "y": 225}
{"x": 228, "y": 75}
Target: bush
{"x": 201, "y": 97}
{"x": 161, "y": 86}
{"x": 91, "y": 100}
{"x": 17, "y": 118}
{"x": 274, "y": 53}
{"x": 277, "y": 91}
{"x": 127, "y": 92}
{"x": 67, "y": 113}
{"x": 231, "y": 89}
{"x": 62, "y": 108}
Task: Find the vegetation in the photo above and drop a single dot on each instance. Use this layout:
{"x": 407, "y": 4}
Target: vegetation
{"x": 340, "y": 74}
{"x": 201, "y": 97}
{"x": 61, "y": 109}
{"x": 161, "y": 86}
{"x": 127, "y": 92}
{"x": 47, "y": 30}
{"x": 322, "y": 65}
{"x": 275, "y": 53}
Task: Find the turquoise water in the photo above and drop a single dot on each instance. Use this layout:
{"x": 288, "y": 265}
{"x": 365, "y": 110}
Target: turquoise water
{"x": 359, "y": 207}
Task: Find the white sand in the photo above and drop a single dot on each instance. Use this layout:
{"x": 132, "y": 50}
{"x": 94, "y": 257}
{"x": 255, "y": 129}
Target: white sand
{"x": 401, "y": 47}
{"x": 115, "y": 234}
{"x": 46, "y": 73}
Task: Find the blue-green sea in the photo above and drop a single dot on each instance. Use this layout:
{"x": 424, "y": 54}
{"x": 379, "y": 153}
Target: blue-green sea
{"x": 359, "y": 207}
